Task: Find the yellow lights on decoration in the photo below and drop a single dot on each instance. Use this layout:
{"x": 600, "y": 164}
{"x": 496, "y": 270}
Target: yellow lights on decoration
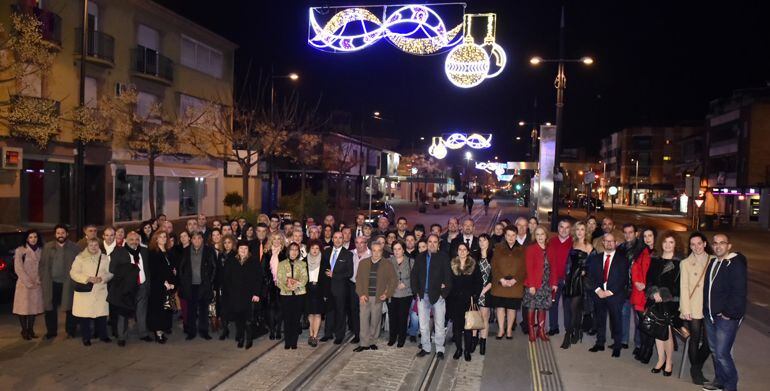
{"x": 437, "y": 148}
{"x": 468, "y": 64}
{"x": 425, "y": 46}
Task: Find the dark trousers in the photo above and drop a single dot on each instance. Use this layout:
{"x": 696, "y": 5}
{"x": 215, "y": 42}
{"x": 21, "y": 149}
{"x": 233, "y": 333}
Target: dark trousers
{"x": 52, "y": 317}
{"x": 100, "y": 326}
{"x": 292, "y": 307}
{"x": 335, "y": 318}
{"x": 646, "y": 341}
{"x": 197, "y": 313}
{"x": 553, "y": 312}
{"x": 457, "y": 310}
{"x": 398, "y": 316}
{"x": 613, "y": 308}
{"x": 354, "y": 321}
{"x": 239, "y": 318}
{"x": 698, "y": 350}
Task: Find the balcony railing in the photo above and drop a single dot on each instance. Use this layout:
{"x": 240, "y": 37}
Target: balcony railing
{"x": 50, "y": 23}
{"x": 100, "y": 45}
{"x": 149, "y": 62}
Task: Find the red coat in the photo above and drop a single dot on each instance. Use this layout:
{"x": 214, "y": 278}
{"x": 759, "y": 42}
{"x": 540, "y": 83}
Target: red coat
{"x": 639, "y": 274}
{"x": 535, "y": 260}
{"x": 558, "y": 253}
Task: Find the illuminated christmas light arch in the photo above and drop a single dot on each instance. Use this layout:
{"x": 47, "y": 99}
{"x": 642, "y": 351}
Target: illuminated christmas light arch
{"x": 440, "y": 144}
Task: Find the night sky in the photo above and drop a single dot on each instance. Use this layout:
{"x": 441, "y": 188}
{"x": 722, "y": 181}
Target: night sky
{"x": 657, "y": 63}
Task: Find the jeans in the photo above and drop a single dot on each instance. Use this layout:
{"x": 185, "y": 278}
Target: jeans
{"x": 553, "y": 313}
{"x": 626, "y": 319}
{"x": 439, "y": 314}
{"x": 414, "y": 323}
{"x": 721, "y": 336}
{"x": 100, "y": 324}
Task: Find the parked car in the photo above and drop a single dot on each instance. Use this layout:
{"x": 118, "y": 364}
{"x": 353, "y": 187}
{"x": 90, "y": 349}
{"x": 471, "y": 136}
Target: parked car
{"x": 10, "y": 238}
{"x": 379, "y": 208}
{"x": 595, "y": 203}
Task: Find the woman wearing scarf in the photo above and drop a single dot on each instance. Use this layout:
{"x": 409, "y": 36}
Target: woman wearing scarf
{"x": 316, "y": 301}
{"x": 292, "y": 279}
{"x": 28, "y": 299}
{"x": 270, "y": 305}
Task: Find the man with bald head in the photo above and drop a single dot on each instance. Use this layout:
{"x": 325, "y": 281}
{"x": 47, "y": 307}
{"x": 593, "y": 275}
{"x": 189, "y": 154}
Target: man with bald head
{"x": 608, "y": 226}
{"x": 130, "y": 287}
{"x": 609, "y": 272}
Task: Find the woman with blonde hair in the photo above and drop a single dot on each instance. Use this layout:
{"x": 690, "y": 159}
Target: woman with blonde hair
{"x": 263, "y": 218}
{"x": 270, "y": 305}
{"x": 540, "y": 282}
{"x": 577, "y": 281}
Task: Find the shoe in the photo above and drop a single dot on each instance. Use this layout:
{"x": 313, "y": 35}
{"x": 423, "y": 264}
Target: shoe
{"x": 509, "y": 336}
{"x": 391, "y": 343}
{"x": 206, "y": 336}
{"x": 162, "y": 339}
{"x": 121, "y": 343}
{"x": 565, "y": 344}
{"x": 240, "y": 343}
{"x": 541, "y": 325}
{"x": 286, "y": 347}
{"x": 498, "y": 337}
{"x": 553, "y": 332}
{"x": 86, "y": 342}
{"x": 272, "y": 336}
{"x": 592, "y": 332}
{"x": 338, "y": 342}
{"x": 355, "y": 340}
{"x": 576, "y": 337}
{"x": 482, "y": 346}
{"x": 360, "y": 349}
{"x": 440, "y": 355}
{"x": 105, "y": 340}
{"x": 712, "y": 387}
{"x": 668, "y": 373}
{"x": 596, "y": 348}
{"x": 636, "y": 353}
{"x": 458, "y": 354}
{"x": 697, "y": 375}
{"x": 422, "y": 353}
{"x": 146, "y": 338}
{"x": 323, "y": 339}
{"x": 625, "y": 346}
{"x": 48, "y": 337}
{"x": 467, "y": 356}
{"x": 656, "y": 370}
{"x": 293, "y": 347}
{"x": 400, "y": 344}
{"x": 412, "y": 338}
{"x": 531, "y": 325}
{"x": 615, "y": 352}
{"x": 474, "y": 343}
{"x": 373, "y": 347}
{"x": 189, "y": 337}
{"x": 278, "y": 335}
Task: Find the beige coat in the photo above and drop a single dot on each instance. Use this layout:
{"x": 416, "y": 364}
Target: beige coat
{"x": 91, "y": 304}
{"x": 691, "y": 280}
{"x": 28, "y": 298}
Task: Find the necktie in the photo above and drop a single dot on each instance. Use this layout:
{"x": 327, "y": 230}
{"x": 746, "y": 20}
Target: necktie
{"x": 334, "y": 258}
{"x": 358, "y": 232}
{"x": 260, "y": 250}
{"x": 607, "y": 267}
{"x": 468, "y": 242}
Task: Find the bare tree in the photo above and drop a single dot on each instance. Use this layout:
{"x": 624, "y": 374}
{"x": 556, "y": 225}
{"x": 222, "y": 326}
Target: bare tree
{"x": 340, "y": 157}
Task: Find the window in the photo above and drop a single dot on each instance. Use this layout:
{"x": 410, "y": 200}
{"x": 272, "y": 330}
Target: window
{"x": 201, "y": 57}
{"x": 197, "y": 106}
{"x": 190, "y": 193}
{"x": 144, "y": 103}
{"x": 666, "y": 158}
{"x": 148, "y": 37}
{"x": 31, "y": 83}
{"x": 128, "y": 196}
{"x": 91, "y": 97}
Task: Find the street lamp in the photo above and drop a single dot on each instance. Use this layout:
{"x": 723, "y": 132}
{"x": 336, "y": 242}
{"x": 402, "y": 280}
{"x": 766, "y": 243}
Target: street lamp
{"x": 468, "y": 157}
{"x": 291, "y": 76}
{"x": 636, "y": 180}
{"x": 561, "y": 85}
{"x": 533, "y": 135}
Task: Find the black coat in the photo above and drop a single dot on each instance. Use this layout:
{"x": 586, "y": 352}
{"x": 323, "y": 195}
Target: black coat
{"x": 161, "y": 267}
{"x": 465, "y": 286}
{"x": 240, "y": 282}
{"x": 208, "y": 274}
{"x": 270, "y": 291}
{"x": 343, "y": 271}
{"x": 125, "y": 279}
{"x": 727, "y": 294}
{"x": 617, "y": 280}
{"x": 475, "y": 249}
{"x": 439, "y": 272}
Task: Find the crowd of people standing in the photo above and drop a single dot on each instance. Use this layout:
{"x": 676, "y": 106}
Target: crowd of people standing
{"x": 278, "y": 277}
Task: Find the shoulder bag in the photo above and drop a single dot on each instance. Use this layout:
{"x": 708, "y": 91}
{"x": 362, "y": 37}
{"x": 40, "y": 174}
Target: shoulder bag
{"x": 655, "y": 322}
{"x": 87, "y": 287}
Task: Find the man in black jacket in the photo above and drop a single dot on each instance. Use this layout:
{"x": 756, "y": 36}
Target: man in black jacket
{"x": 129, "y": 288}
{"x": 609, "y": 273}
{"x": 431, "y": 281}
{"x": 197, "y": 272}
{"x": 466, "y": 236}
{"x": 337, "y": 264}
{"x": 724, "y": 305}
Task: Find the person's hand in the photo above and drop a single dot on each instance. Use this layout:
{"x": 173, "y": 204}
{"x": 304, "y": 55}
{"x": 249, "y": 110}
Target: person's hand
{"x": 91, "y": 280}
{"x": 328, "y": 273}
{"x": 383, "y": 297}
{"x": 168, "y": 286}
{"x": 601, "y": 293}
{"x": 657, "y": 297}
{"x": 401, "y": 285}
{"x": 723, "y": 317}
{"x": 554, "y": 288}
{"x": 532, "y": 291}
{"x": 639, "y": 286}
{"x": 443, "y": 286}
{"x": 687, "y": 316}
{"x": 363, "y": 299}
{"x": 503, "y": 282}
{"x": 608, "y": 293}
{"x": 255, "y": 299}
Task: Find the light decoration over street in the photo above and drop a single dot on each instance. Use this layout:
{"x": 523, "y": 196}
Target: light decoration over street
{"x": 497, "y": 168}
{"x": 440, "y": 144}
{"x": 415, "y": 29}
{"x": 469, "y": 64}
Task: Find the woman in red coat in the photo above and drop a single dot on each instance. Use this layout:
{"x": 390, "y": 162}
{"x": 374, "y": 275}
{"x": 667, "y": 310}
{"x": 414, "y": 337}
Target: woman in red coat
{"x": 638, "y": 296}
{"x": 540, "y": 282}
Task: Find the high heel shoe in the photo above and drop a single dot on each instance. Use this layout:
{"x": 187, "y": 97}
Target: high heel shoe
{"x": 668, "y": 373}
{"x": 656, "y": 370}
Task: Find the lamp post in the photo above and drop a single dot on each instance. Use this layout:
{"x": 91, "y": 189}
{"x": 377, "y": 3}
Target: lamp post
{"x": 560, "y": 84}
{"x": 468, "y": 158}
{"x": 80, "y": 149}
{"x": 533, "y": 135}
{"x": 293, "y": 77}
{"x": 636, "y": 182}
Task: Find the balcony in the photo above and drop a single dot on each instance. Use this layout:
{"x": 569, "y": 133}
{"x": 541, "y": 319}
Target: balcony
{"x": 50, "y": 23}
{"x": 100, "y": 47}
{"x": 151, "y": 65}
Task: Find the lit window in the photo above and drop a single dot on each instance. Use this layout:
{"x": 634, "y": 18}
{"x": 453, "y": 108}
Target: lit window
{"x": 666, "y": 158}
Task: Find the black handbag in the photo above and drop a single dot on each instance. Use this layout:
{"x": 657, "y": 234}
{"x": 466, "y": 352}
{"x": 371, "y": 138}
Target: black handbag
{"x": 87, "y": 287}
{"x": 656, "y": 321}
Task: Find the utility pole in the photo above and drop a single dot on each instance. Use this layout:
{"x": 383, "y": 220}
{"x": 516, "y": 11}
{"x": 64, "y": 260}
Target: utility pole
{"x": 561, "y": 85}
{"x": 80, "y": 162}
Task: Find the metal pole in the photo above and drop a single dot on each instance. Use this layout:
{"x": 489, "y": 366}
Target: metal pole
{"x": 636, "y": 179}
{"x": 561, "y": 84}
{"x": 80, "y": 162}
{"x": 371, "y": 187}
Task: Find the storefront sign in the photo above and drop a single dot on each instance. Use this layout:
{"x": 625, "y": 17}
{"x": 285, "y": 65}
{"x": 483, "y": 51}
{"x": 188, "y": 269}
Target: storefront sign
{"x": 12, "y": 158}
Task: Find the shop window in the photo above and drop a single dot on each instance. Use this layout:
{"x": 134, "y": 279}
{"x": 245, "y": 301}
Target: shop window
{"x": 190, "y": 195}
{"x": 128, "y": 196}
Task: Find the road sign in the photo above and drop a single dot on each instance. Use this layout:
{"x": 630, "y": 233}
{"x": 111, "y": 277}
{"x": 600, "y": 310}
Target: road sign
{"x": 589, "y": 177}
{"x": 613, "y": 190}
{"x": 698, "y": 203}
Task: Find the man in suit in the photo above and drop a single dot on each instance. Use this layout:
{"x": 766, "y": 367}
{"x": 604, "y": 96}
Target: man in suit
{"x": 431, "y": 281}
{"x": 55, "y": 264}
{"x": 452, "y": 232}
{"x": 609, "y": 273}
{"x": 466, "y": 236}
{"x": 401, "y": 228}
{"x": 337, "y": 264}
{"x": 359, "y": 228}
{"x": 197, "y": 271}
{"x": 724, "y": 306}
{"x": 130, "y": 263}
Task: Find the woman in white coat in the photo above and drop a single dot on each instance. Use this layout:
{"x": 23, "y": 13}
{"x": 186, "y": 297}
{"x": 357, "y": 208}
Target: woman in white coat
{"x": 92, "y": 266}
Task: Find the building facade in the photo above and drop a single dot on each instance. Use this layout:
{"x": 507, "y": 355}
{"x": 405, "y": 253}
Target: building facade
{"x": 137, "y": 44}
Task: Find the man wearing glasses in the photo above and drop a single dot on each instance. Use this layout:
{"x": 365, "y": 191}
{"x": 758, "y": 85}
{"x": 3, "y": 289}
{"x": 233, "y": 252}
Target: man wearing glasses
{"x": 724, "y": 305}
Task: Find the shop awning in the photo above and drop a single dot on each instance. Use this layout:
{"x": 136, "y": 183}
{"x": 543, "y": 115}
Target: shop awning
{"x": 164, "y": 170}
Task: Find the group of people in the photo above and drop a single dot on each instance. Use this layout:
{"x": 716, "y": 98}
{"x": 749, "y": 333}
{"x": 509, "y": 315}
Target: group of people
{"x": 280, "y": 276}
